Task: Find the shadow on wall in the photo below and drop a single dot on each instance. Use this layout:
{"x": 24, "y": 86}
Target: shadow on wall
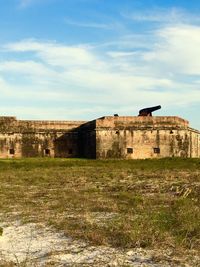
{"x": 66, "y": 146}
{"x": 79, "y": 143}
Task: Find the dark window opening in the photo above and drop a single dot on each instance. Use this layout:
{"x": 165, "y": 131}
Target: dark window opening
{"x": 70, "y": 151}
{"x": 117, "y": 132}
{"x": 129, "y": 150}
{"x": 47, "y": 151}
{"x": 171, "y": 132}
{"x": 156, "y": 150}
{"x": 12, "y": 151}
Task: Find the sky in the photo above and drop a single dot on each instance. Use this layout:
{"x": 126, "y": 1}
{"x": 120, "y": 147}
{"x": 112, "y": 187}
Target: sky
{"x": 84, "y": 59}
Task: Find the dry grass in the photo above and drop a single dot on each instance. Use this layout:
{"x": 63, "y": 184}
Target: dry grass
{"x": 143, "y": 203}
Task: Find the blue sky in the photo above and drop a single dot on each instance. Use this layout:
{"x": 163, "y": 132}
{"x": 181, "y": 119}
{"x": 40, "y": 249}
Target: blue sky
{"x": 82, "y": 59}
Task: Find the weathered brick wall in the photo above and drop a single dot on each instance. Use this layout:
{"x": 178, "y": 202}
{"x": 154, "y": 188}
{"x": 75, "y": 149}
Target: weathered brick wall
{"x": 22, "y": 138}
{"x": 107, "y": 137}
{"x": 135, "y": 144}
{"x": 141, "y": 122}
{"x": 145, "y": 137}
{"x": 194, "y": 143}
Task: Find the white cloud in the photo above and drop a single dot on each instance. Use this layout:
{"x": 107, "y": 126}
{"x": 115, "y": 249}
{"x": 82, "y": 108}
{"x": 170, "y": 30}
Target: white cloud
{"x": 88, "y": 24}
{"x": 26, "y": 67}
{"x": 55, "y": 54}
{"x": 163, "y": 15}
{"x": 99, "y": 81}
{"x": 178, "y": 50}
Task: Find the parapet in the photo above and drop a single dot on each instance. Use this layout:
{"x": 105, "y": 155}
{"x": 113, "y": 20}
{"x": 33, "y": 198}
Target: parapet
{"x": 7, "y": 118}
{"x": 40, "y": 125}
{"x": 141, "y": 122}
{"x": 11, "y": 124}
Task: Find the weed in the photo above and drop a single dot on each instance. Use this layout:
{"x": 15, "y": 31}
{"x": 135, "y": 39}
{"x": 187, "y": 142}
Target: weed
{"x": 156, "y": 201}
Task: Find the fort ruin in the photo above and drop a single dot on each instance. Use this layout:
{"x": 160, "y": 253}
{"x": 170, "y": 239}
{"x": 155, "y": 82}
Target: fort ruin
{"x": 129, "y": 137}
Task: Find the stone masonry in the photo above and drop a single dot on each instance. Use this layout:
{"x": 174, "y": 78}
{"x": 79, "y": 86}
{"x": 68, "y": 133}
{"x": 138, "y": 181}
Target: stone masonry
{"x": 127, "y": 137}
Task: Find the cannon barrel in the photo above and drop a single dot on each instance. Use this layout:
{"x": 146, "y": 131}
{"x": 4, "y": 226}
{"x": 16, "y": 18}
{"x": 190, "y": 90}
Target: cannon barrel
{"x": 148, "y": 111}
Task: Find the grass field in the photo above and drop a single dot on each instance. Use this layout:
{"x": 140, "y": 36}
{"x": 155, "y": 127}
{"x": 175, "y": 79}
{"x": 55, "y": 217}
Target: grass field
{"x": 141, "y": 203}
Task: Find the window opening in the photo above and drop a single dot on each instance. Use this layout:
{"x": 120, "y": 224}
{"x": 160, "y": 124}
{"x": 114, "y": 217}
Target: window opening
{"x": 156, "y": 150}
{"x": 130, "y": 150}
{"x": 47, "y": 151}
{"x": 11, "y": 151}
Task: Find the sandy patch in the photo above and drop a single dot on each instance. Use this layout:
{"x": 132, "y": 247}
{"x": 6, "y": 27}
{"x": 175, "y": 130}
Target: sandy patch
{"x": 37, "y": 246}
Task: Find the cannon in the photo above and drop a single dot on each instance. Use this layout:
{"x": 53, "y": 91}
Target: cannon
{"x": 148, "y": 111}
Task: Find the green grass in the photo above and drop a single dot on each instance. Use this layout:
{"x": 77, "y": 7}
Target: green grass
{"x": 140, "y": 203}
